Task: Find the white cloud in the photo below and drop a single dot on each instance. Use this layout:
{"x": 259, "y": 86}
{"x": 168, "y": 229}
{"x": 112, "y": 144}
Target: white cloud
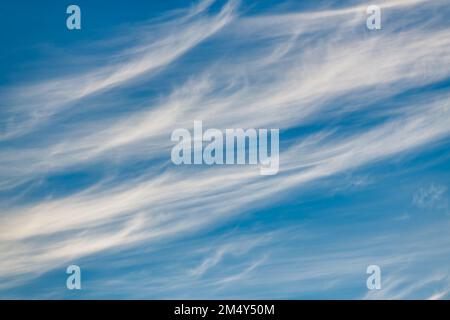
{"x": 430, "y": 197}
{"x": 298, "y": 71}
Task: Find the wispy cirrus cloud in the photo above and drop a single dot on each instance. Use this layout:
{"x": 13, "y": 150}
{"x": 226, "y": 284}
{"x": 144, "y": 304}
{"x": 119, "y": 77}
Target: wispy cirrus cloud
{"x": 30, "y": 105}
{"x": 287, "y": 71}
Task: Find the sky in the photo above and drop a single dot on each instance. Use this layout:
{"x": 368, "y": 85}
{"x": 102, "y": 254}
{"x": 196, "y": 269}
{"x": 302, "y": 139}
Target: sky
{"x": 86, "y": 176}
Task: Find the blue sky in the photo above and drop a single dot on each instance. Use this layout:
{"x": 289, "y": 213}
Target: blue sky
{"x": 86, "y": 176}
